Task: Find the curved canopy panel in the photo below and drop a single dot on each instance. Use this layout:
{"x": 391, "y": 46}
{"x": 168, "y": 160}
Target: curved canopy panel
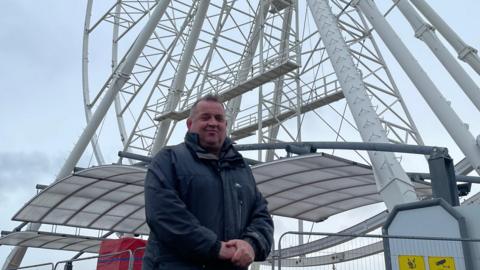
{"x": 314, "y": 187}
{"x": 52, "y": 241}
{"x": 105, "y": 197}
{"x": 111, "y": 197}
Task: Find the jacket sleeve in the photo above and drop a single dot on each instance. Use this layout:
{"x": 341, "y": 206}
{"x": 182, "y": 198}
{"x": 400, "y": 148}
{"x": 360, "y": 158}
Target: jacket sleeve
{"x": 259, "y": 232}
{"x": 168, "y": 217}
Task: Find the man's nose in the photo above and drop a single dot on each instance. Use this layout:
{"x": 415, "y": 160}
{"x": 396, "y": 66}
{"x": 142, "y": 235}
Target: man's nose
{"x": 212, "y": 121}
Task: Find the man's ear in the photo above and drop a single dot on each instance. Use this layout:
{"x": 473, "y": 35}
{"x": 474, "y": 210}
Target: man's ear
{"x": 189, "y": 123}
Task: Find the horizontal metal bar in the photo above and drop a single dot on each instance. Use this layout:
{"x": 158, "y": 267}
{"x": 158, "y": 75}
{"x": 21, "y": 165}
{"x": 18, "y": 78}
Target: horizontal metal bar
{"x": 41, "y": 186}
{"x": 384, "y": 147}
{"x": 458, "y": 178}
{"x": 134, "y": 156}
{"x": 383, "y": 236}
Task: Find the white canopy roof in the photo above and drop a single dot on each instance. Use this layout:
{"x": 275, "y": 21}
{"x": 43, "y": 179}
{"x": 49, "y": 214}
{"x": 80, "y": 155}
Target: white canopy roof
{"x": 110, "y": 197}
{"x": 52, "y": 241}
{"x": 314, "y": 187}
{"x": 105, "y": 197}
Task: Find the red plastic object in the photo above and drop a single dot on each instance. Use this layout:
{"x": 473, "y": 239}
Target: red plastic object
{"x": 120, "y": 261}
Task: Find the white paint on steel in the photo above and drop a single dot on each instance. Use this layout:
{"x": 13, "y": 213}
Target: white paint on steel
{"x": 447, "y": 116}
{"x": 233, "y": 105}
{"x": 393, "y": 183}
{"x": 465, "y": 52}
{"x": 176, "y": 89}
{"x": 426, "y": 33}
{"x": 277, "y": 92}
{"x": 117, "y": 102}
{"x": 120, "y": 77}
{"x": 86, "y": 98}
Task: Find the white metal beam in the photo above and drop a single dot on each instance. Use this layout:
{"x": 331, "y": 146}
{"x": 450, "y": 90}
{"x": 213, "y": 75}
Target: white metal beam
{"x": 86, "y": 98}
{"x": 426, "y": 33}
{"x": 393, "y": 183}
{"x": 447, "y": 116}
{"x": 176, "y": 89}
{"x": 233, "y": 106}
{"x": 278, "y": 89}
{"x": 465, "y": 52}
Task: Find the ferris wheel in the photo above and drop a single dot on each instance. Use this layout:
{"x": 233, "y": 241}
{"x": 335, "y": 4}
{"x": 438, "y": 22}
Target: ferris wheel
{"x": 270, "y": 64}
{"x": 287, "y": 71}
{"x": 265, "y": 59}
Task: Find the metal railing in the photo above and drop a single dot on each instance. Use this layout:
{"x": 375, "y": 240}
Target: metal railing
{"x": 354, "y": 251}
{"x": 34, "y": 266}
{"x": 69, "y": 263}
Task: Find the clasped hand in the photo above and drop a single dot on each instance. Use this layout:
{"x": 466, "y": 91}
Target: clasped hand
{"x": 239, "y": 252}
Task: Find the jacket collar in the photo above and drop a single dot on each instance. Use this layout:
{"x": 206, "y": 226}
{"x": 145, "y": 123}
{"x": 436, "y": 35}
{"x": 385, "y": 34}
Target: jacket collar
{"x": 227, "y": 152}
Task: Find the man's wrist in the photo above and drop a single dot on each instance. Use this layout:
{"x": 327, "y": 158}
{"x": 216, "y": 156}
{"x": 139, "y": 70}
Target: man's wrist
{"x": 252, "y": 243}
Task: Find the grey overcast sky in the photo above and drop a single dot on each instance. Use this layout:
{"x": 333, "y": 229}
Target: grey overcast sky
{"x": 41, "y": 109}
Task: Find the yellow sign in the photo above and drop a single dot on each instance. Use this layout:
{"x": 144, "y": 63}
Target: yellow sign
{"x": 441, "y": 263}
{"x": 410, "y": 262}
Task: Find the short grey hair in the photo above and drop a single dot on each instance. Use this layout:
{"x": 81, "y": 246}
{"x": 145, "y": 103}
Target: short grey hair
{"x": 208, "y": 97}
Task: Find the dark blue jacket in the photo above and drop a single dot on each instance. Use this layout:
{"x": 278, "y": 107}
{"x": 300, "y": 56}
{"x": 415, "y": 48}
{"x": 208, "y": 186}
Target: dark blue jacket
{"x": 194, "y": 200}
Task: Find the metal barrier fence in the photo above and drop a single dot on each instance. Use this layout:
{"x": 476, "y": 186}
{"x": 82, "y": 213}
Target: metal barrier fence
{"x": 76, "y": 264}
{"x": 132, "y": 261}
{"x": 331, "y": 251}
{"x": 41, "y": 266}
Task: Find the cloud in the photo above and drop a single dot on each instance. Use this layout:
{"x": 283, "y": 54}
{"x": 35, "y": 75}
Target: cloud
{"x": 20, "y": 172}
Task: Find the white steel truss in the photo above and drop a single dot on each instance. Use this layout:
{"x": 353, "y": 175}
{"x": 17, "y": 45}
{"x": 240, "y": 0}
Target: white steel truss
{"x": 279, "y": 55}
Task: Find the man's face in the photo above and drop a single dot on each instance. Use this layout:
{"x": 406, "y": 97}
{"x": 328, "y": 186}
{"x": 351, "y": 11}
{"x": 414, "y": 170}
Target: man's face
{"x": 209, "y": 122}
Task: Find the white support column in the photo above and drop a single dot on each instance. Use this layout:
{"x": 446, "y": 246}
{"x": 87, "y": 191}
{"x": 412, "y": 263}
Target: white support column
{"x": 278, "y": 89}
{"x": 465, "y": 53}
{"x": 392, "y": 182}
{"x": 447, "y": 116}
{"x": 178, "y": 83}
{"x": 119, "y": 79}
{"x": 233, "y": 105}
{"x": 426, "y": 33}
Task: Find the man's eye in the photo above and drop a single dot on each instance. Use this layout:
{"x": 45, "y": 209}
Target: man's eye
{"x": 219, "y": 118}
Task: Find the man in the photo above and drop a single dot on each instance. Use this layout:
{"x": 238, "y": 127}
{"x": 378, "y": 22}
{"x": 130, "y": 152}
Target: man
{"x": 202, "y": 205}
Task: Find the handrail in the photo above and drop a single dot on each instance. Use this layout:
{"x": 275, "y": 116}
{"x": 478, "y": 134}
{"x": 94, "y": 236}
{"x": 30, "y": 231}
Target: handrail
{"x": 32, "y": 266}
{"x": 130, "y": 258}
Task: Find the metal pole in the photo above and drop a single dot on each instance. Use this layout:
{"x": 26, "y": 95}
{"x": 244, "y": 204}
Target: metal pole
{"x": 392, "y": 182}
{"x": 447, "y": 116}
{"x": 88, "y": 113}
{"x": 465, "y": 53}
{"x": 176, "y": 89}
{"x": 426, "y": 33}
{"x": 119, "y": 79}
{"x": 302, "y": 148}
{"x": 233, "y": 105}
{"x": 443, "y": 177}
{"x": 68, "y": 266}
{"x": 278, "y": 89}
